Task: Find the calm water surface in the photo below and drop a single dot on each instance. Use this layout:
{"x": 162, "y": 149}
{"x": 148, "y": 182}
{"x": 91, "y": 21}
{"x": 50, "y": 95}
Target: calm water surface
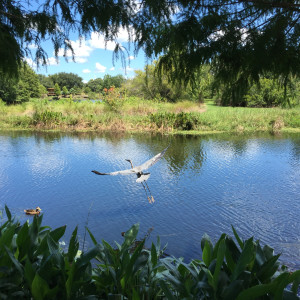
{"x": 202, "y": 185}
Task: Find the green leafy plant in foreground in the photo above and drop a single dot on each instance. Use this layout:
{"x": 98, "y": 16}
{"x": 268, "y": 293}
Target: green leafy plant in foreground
{"x": 33, "y": 266}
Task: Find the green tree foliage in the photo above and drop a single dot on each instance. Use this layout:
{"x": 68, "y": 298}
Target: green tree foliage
{"x": 8, "y": 88}
{"x": 21, "y": 89}
{"x": 23, "y": 94}
{"x": 95, "y": 85}
{"x": 203, "y": 85}
{"x": 69, "y": 80}
{"x": 31, "y": 81}
{"x": 57, "y": 90}
{"x": 149, "y": 85}
{"x": 115, "y": 81}
{"x": 65, "y": 91}
{"x": 269, "y": 92}
{"x": 46, "y": 81}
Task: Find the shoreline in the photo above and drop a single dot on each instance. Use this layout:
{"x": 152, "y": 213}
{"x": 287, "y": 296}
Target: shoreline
{"x": 158, "y": 131}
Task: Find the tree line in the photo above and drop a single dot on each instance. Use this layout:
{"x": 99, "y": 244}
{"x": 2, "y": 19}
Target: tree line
{"x": 148, "y": 84}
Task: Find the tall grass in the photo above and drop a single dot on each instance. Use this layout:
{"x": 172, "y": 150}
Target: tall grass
{"x": 143, "y": 115}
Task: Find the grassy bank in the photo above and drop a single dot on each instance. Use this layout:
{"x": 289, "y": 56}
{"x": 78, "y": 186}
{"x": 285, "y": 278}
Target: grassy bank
{"x": 137, "y": 115}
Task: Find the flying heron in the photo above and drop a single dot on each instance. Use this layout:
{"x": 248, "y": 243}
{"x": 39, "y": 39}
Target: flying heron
{"x": 138, "y": 170}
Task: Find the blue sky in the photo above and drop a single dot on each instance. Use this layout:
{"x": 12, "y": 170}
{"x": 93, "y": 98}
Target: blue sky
{"x": 92, "y": 60}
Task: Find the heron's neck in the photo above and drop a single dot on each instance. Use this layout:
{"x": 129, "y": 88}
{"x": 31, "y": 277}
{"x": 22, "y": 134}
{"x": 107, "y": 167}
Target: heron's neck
{"x": 131, "y": 164}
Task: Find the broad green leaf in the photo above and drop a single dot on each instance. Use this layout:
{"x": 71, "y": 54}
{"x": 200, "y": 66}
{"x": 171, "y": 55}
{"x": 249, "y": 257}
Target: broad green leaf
{"x": 87, "y": 256}
{"x": 23, "y": 241}
{"x": 8, "y": 214}
{"x": 260, "y": 255}
{"x": 57, "y": 233}
{"x": 54, "y": 251}
{"x": 73, "y": 245}
{"x": 268, "y": 269}
{"x": 130, "y": 236}
{"x": 232, "y": 249}
{"x": 135, "y": 295}
{"x": 210, "y": 277}
{"x": 240, "y": 242}
{"x": 153, "y": 255}
{"x": 7, "y": 235}
{"x": 17, "y": 264}
{"x": 91, "y": 236}
{"x": 295, "y": 279}
{"x": 207, "y": 253}
{"x": 220, "y": 259}
{"x": 39, "y": 288}
{"x": 255, "y": 292}
{"x": 268, "y": 251}
{"x": 232, "y": 290}
{"x": 122, "y": 282}
{"x": 167, "y": 291}
{"x": 206, "y": 239}
{"x": 29, "y": 272}
{"x": 134, "y": 258}
{"x": 246, "y": 257}
{"x": 69, "y": 282}
{"x": 279, "y": 284}
{"x": 216, "y": 247}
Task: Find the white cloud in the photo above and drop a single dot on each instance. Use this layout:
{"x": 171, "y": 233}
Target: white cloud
{"x": 29, "y": 61}
{"x": 80, "y": 48}
{"x": 122, "y": 35}
{"x": 86, "y": 71}
{"x": 97, "y": 42}
{"x": 85, "y": 81}
{"x": 52, "y": 61}
{"x": 100, "y": 68}
{"x": 112, "y": 69}
{"x": 32, "y": 46}
{"x": 127, "y": 69}
{"x": 80, "y": 60}
{"x": 131, "y": 57}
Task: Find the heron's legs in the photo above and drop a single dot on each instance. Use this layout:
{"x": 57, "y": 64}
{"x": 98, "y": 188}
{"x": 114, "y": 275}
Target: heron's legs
{"x": 148, "y": 197}
{"x": 152, "y": 199}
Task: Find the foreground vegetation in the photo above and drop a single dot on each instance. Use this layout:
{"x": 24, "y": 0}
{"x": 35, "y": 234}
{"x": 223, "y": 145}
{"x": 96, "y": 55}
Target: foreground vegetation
{"x": 135, "y": 115}
{"x": 34, "y": 266}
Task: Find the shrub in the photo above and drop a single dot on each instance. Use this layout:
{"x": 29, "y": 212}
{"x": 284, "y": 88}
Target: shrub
{"x": 113, "y": 98}
{"x": 34, "y": 266}
{"x": 181, "y": 121}
{"x": 47, "y": 117}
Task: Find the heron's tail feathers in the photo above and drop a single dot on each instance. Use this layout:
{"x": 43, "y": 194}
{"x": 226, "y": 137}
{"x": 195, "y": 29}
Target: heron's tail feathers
{"x": 143, "y": 177}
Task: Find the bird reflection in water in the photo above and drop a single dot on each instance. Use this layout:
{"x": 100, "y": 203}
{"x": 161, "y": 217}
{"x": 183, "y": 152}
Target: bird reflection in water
{"x": 138, "y": 170}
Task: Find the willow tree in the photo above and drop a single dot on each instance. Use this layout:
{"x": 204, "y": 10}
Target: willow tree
{"x": 242, "y": 39}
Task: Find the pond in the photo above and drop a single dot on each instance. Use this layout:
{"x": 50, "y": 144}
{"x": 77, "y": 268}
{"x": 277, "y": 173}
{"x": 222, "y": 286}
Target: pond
{"x": 203, "y": 184}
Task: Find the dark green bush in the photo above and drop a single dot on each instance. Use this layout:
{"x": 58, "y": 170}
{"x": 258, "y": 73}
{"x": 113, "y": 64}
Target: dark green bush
{"x": 34, "y": 266}
{"x": 164, "y": 119}
{"x": 181, "y": 121}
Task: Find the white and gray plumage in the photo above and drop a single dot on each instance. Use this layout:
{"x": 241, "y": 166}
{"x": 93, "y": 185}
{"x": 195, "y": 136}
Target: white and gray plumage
{"x": 138, "y": 170}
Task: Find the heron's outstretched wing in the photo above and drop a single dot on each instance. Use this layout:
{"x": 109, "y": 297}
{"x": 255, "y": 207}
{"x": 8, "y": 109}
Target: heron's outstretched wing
{"x": 122, "y": 172}
{"x": 150, "y": 162}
